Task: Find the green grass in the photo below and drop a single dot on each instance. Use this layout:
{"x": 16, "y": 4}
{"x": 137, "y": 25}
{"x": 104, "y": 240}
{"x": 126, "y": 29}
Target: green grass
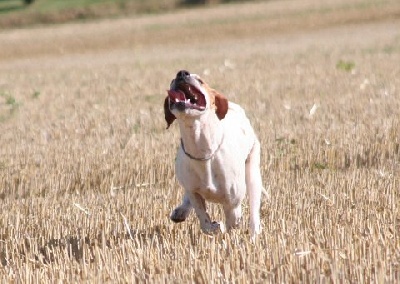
{"x": 8, "y": 105}
{"x": 16, "y": 13}
{"x": 8, "y": 7}
{"x": 345, "y": 65}
{"x": 35, "y": 94}
{"x": 58, "y": 5}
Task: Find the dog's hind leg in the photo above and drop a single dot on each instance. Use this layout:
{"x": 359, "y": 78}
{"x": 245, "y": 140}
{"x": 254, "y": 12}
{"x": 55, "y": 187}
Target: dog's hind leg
{"x": 181, "y": 212}
{"x": 254, "y": 188}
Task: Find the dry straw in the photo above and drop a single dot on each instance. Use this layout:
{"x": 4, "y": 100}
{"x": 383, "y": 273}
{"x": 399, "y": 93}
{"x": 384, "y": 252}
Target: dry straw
{"x": 87, "y": 167}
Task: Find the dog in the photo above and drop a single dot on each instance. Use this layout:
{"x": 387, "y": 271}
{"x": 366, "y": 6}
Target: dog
{"x": 219, "y": 154}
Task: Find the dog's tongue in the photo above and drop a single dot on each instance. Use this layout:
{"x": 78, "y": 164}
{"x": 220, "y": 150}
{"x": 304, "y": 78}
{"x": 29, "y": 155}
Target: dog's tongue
{"x": 176, "y": 95}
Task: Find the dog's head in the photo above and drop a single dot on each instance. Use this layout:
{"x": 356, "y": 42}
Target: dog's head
{"x": 190, "y": 95}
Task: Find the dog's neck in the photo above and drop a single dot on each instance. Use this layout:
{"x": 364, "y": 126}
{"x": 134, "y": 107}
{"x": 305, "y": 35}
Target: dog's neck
{"x": 201, "y": 135}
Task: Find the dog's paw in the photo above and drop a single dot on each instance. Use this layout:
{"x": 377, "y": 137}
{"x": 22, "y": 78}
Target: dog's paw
{"x": 255, "y": 230}
{"x": 179, "y": 214}
{"x": 213, "y": 228}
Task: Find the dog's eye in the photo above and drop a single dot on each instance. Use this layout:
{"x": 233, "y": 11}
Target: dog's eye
{"x": 200, "y": 81}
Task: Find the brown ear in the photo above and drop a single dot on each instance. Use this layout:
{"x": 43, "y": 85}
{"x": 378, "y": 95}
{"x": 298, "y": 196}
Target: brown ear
{"x": 221, "y": 102}
{"x": 169, "y": 117}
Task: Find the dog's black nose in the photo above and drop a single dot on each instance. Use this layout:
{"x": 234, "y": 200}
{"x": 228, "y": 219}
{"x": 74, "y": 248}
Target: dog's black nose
{"x": 182, "y": 75}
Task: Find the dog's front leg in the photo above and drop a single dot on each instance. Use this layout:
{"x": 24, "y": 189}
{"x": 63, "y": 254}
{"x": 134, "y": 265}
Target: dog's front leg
{"x": 181, "y": 212}
{"x": 233, "y": 215}
{"x": 199, "y": 204}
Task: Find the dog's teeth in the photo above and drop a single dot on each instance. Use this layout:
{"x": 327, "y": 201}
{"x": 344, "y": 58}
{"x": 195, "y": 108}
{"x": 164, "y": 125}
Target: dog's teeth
{"x": 176, "y": 100}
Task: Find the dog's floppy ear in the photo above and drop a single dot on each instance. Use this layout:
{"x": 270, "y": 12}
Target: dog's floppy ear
{"x": 169, "y": 117}
{"x": 221, "y": 102}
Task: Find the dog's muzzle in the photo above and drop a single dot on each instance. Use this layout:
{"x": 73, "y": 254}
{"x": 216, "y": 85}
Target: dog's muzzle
{"x": 185, "y": 93}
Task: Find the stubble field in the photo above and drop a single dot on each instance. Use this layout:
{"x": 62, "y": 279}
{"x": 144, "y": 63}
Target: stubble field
{"x": 87, "y": 167}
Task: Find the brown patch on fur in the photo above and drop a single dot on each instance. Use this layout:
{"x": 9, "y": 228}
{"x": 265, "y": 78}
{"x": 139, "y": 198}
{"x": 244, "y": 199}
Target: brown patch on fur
{"x": 222, "y": 105}
{"x": 169, "y": 116}
{"x": 217, "y": 101}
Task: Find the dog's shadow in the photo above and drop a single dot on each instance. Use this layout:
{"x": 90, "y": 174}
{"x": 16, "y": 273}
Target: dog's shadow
{"x": 79, "y": 248}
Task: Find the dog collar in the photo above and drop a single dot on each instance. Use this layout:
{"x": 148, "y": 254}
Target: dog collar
{"x": 206, "y": 158}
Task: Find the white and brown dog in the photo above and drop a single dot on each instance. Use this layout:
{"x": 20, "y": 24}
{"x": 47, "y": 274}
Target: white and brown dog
{"x": 219, "y": 155}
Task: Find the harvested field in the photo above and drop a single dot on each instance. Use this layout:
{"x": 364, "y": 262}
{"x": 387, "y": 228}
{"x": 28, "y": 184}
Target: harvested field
{"x": 87, "y": 167}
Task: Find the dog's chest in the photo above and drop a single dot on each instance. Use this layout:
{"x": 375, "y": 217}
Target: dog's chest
{"x": 215, "y": 179}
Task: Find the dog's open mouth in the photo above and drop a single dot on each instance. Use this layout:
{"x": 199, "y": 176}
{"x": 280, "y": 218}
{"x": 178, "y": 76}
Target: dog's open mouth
{"x": 186, "y": 96}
